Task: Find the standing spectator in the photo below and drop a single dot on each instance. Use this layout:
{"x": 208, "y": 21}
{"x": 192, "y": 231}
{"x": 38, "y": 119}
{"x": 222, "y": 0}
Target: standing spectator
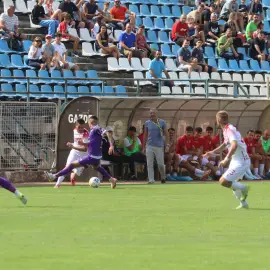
{"x": 90, "y": 10}
{"x": 39, "y": 17}
{"x": 61, "y": 53}
{"x": 213, "y": 30}
{"x": 180, "y": 30}
{"x": 35, "y": 58}
{"x": 69, "y": 7}
{"x": 154, "y": 133}
{"x": 141, "y": 43}
{"x": 255, "y": 8}
{"x": 118, "y": 14}
{"x": 257, "y": 48}
{"x": 252, "y": 27}
{"x": 127, "y": 41}
{"x": 9, "y": 23}
{"x": 197, "y": 15}
{"x": 63, "y": 29}
{"x": 102, "y": 43}
{"x": 185, "y": 61}
{"x": 197, "y": 53}
{"x": 156, "y": 68}
{"x": 224, "y": 43}
{"x": 48, "y": 50}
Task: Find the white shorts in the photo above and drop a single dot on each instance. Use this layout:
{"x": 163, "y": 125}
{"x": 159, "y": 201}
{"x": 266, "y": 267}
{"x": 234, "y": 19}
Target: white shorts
{"x": 186, "y": 157}
{"x": 75, "y": 155}
{"x": 236, "y": 170}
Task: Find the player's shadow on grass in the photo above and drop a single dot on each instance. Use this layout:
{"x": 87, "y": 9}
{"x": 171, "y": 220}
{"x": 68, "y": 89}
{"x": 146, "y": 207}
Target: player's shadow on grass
{"x": 260, "y": 209}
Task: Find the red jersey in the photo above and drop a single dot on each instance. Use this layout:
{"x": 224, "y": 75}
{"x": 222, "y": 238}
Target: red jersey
{"x": 63, "y": 29}
{"x": 250, "y": 144}
{"x": 208, "y": 144}
{"x": 184, "y": 142}
{"x": 141, "y": 137}
{"x": 216, "y": 141}
{"x": 198, "y": 142}
{"x": 180, "y": 28}
{"x": 118, "y": 13}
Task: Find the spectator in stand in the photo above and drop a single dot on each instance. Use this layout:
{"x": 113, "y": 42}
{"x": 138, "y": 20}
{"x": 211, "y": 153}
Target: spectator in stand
{"x": 132, "y": 149}
{"x": 213, "y": 30}
{"x": 54, "y": 15}
{"x": 141, "y": 43}
{"x": 93, "y": 13}
{"x": 252, "y": 27}
{"x": 197, "y": 15}
{"x": 243, "y": 9}
{"x": 63, "y": 29}
{"x": 197, "y": 53}
{"x": 265, "y": 140}
{"x": 224, "y": 43}
{"x": 206, "y": 15}
{"x": 185, "y": 61}
{"x": 180, "y": 30}
{"x": 156, "y": 68}
{"x": 107, "y": 17}
{"x": 255, "y": 8}
{"x": 48, "y": 51}
{"x": 39, "y": 17}
{"x": 69, "y": 7}
{"x": 259, "y": 29}
{"x": 61, "y": 53}
{"x": 257, "y": 48}
{"x": 35, "y": 58}
{"x": 118, "y": 14}
{"x": 102, "y": 43}
{"x": 195, "y": 33}
{"x": 127, "y": 42}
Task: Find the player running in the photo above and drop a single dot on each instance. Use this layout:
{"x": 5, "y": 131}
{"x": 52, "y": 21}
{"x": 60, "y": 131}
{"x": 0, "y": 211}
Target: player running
{"x": 237, "y": 156}
{"x": 4, "y": 183}
{"x": 93, "y": 144}
{"x": 77, "y": 152}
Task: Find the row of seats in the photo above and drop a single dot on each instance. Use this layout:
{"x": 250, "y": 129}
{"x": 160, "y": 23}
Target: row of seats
{"x": 46, "y": 91}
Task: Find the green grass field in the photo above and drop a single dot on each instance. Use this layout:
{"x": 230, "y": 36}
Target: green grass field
{"x": 135, "y": 227}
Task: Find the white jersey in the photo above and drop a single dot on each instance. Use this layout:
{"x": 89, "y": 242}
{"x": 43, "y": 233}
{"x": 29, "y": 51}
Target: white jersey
{"x": 230, "y": 133}
{"x": 79, "y": 137}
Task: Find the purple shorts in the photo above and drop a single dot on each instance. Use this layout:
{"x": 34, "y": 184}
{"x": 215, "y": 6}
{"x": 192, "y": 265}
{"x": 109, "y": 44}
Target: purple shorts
{"x": 89, "y": 161}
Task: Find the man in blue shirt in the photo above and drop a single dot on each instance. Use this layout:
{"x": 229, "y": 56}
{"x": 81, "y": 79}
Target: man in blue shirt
{"x": 156, "y": 68}
{"x": 127, "y": 42}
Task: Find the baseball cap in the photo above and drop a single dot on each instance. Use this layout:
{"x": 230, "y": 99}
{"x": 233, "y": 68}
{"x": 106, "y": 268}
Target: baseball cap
{"x": 48, "y": 36}
{"x": 108, "y": 128}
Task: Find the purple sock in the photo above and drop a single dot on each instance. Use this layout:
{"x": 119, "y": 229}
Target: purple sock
{"x": 4, "y": 183}
{"x": 65, "y": 171}
{"x": 103, "y": 172}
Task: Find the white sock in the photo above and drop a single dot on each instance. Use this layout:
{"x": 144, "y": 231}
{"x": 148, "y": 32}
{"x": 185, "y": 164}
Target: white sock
{"x": 237, "y": 194}
{"x": 261, "y": 170}
{"x": 199, "y": 173}
{"x": 60, "y": 180}
{"x": 17, "y": 193}
{"x": 218, "y": 173}
{"x": 249, "y": 172}
{"x": 256, "y": 171}
{"x": 238, "y": 186}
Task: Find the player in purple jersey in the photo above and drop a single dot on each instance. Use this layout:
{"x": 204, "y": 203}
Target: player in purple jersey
{"x": 93, "y": 144}
{"x": 4, "y": 183}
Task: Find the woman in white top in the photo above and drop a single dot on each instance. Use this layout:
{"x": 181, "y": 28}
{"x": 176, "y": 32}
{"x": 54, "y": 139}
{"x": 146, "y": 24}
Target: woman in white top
{"x": 35, "y": 57}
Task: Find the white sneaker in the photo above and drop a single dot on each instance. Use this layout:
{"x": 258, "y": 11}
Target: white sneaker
{"x": 49, "y": 176}
{"x": 258, "y": 177}
{"x": 243, "y": 204}
{"x": 151, "y": 182}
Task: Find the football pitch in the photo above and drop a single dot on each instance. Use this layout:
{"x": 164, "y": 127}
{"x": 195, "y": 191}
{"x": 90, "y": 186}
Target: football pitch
{"x": 135, "y": 227}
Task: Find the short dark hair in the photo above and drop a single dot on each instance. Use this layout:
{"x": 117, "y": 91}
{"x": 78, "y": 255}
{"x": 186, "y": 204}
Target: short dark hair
{"x": 132, "y": 128}
{"x": 258, "y": 132}
{"x": 171, "y": 129}
{"x": 209, "y": 129}
{"x": 198, "y": 129}
{"x": 251, "y": 130}
{"x": 93, "y": 117}
{"x": 80, "y": 121}
{"x": 141, "y": 26}
{"x": 58, "y": 34}
{"x": 189, "y": 128}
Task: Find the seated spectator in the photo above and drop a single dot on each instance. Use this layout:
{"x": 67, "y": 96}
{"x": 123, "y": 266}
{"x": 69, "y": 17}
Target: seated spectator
{"x": 141, "y": 43}
{"x": 265, "y": 141}
{"x": 208, "y": 11}
{"x": 92, "y": 12}
{"x": 196, "y": 15}
{"x": 132, "y": 149}
{"x": 224, "y": 43}
{"x": 61, "y": 53}
{"x": 39, "y": 17}
{"x": 252, "y": 27}
{"x": 194, "y": 33}
{"x": 257, "y": 48}
{"x": 180, "y": 30}
{"x": 259, "y": 29}
{"x": 127, "y": 42}
{"x": 118, "y": 14}
{"x": 243, "y": 9}
{"x": 48, "y": 51}
{"x": 213, "y": 30}
{"x": 107, "y": 17}
{"x": 102, "y": 43}
{"x": 35, "y": 58}
{"x": 9, "y": 25}
{"x": 69, "y": 7}
{"x": 185, "y": 61}
{"x": 63, "y": 29}
{"x": 255, "y": 8}
{"x": 197, "y": 52}
{"x": 156, "y": 68}
{"x": 54, "y": 15}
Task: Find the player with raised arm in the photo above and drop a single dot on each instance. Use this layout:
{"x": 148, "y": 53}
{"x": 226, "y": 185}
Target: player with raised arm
{"x": 237, "y": 156}
{"x": 6, "y": 184}
{"x": 94, "y": 153}
{"x": 77, "y": 152}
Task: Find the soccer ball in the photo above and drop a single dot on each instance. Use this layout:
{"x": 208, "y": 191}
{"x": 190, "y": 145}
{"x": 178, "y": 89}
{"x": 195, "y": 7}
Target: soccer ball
{"x": 94, "y": 182}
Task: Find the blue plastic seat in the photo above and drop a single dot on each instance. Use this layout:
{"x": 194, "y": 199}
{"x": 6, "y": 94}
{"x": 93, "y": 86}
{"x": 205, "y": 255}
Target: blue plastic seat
{"x": 34, "y": 91}
{"x": 266, "y": 27}
{"x": 266, "y": 3}
{"x": 47, "y": 91}
{"x": 163, "y": 37}
{"x": 222, "y": 65}
{"x": 175, "y": 49}
{"x": 155, "y": 11}
{"x": 59, "y": 91}
{"x": 176, "y": 12}
{"x": 44, "y": 74}
{"x": 233, "y": 65}
{"x": 168, "y": 23}
{"x": 25, "y": 62}
{"x": 151, "y": 36}
{"x": 31, "y": 74}
{"x": 268, "y": 14}
{"x": 80, "y": 74}
{"x": 243, "y": 51}
{"x": 134, "y": 8}
{"x": 21, "y": 90}
{"x": 148, "y": 23}
{"x": 83, "y": 90}
{"x": 5, "y": 61}
{"x": 221, "y": 22}
{"x": 174, "y": 2}
{"x": 138, "y": 21}
{"x": 92, "y": 74}
{"x": 16, "y": 61}
{"x": 71, "y": 90}
{"x": 121, "y": 91}
{"x": 166, "y": 50}
{"x": 153, "y": 2}
{"x": 55, "y": 74}
{"x": 108, "y": 91}
{"x": 165, "y": 10}
{"x": 26, "y": 45}
{"x": 19, "y": 73}
{"x": 212, "y": 62}
{"x": 4, "y": 47}
{"x": 209, "y": 52}
{"x": 186, "y": 9}
{"x": 159, "y": 23}
{"x": 154, "y": 46}
{"x": 68, "y": 74}
{"x": 144, "y": 11}
{"x": 6, "y": 87}
{"x": 6, "y": 73}
{"x": 96, "y": 90}
{"x": 163, "y": 2}
{"x": 244, "y": 66}
{"x": 265, "y": 66}
{"x": 254, "y": 65}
